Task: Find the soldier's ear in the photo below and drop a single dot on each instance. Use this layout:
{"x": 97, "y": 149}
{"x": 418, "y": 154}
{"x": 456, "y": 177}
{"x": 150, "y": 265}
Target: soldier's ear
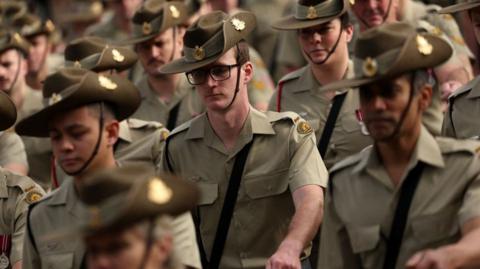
{"x": 248, "y": 69}
{"x": 112, "y": 130}
{"x": 425, "y": 96}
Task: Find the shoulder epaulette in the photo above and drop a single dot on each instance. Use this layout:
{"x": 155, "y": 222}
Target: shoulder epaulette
{"x": 450, "y": 145}
{"x": 180, "y": 128}
{"x": 278, "y": 116}
{"x": 292, "y": 75}
{"x": 138, "y": 124}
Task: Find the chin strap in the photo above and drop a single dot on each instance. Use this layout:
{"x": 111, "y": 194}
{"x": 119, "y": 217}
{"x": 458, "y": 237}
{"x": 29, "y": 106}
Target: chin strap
{"x": 237, "y": 84}
{"x": 17, "y": 73}
{"x": 383, "y": 19}
{"x": 174, "y": 40}
{"x": 101, "y": 122}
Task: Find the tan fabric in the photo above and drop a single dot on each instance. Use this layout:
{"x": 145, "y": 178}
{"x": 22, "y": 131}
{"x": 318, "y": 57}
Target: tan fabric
{"x": 14, "y": 203}
{"x": 107, "y": 28}
{"x": 362, "y": 199}
{"x": 301, "y": 94}
{"x": 12, "y": 149}
{"x": 32, "y": 102}
{"x": 461, "y": 119}
{"x": 153, "y": 109}
{"x": 280, "y": 161}
{"x": 261, "y": 87}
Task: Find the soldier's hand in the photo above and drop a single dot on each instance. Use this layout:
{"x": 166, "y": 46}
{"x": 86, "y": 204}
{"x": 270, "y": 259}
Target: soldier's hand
{"x": 430, "y": 259}
{"x": 284, "y": 258}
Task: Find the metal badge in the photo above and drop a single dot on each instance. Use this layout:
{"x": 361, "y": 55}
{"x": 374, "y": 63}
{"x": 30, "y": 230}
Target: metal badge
{"x": 55, "y": 98}
{"x": 117, "y": 56}
{"x": 312, "y": 13}
{"x": 304, "y": 128}
{"x": 106, "y": 83}
{"x": 49, "y": 26}
{"x": 352, "y": 2}
{"x": 158, "y": 191}
{"x": 77, "y": 64}
{"x": 4, "y": 261}
{"x": 146, "y": 28}
{"x": 17, "y": 38}
{"x": 198, "y": 53}
{"x": 423, "y": 46}
{"x": 174, "y": 11}
{"x": 33, "y": 196}
{"x": 96, "y": 8}
{"x": 238, "y": 24}
{"x": 369, "y": 67}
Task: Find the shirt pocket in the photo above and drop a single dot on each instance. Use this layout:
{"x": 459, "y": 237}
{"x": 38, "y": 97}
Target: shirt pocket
{"x": 436, "y": 229}
{"x": 208, "y": 193}
{"x": 364, "y": 242}
{"x": 262, "y": 186}
{"x": 350, "y": 123}
{"x": 57, "y": 260}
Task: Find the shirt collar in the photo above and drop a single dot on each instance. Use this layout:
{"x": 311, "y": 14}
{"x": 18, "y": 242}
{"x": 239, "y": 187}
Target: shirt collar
{"x": 124, "y": 131}
{"x": 64, "y": 193}
{"x": 475, "y": 92}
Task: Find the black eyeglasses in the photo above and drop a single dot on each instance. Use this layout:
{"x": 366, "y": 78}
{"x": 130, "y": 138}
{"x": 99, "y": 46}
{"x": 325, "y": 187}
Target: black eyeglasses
{"x": 217, "y": 73}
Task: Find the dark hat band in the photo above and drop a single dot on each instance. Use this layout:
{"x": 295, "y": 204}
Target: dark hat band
{"x": 326, "y": 9}
{"x": 87, "y": 62}
{"x": 210, "y": 48}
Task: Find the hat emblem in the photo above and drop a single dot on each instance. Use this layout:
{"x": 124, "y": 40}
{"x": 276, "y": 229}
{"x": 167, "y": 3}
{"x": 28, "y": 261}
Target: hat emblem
{"x": 117, "y": 56}
{"x": 423, "y": 46}
{"x": 158, "y": 191}
{"x": 96, "y": 8}
{"x": 95, "y": 218}
{"x": 17, "y": 38}
{"x": 352, "y": 2}
{"x": 77, "y": 64}
{"x": 55, "y": 98}
{"x": 146, "y": 28}
{"x": 238, "y": 24}
{"x": 369, "y": 67}
{"x": 106, "y": 83}
{"x": 198, "y": 53}
{"x": 174, "y": 11}
{"x": 49, "y": 26}
{"x": 312, "y": 13}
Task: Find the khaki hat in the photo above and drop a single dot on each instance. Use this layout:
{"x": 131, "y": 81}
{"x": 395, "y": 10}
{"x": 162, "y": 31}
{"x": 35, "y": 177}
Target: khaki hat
{"x": 8, "y": 112}
{"x": 209, "y": 38}
{"x": 310, "y": 13}
{"x": 154, "y": 17}
{"x": 391, "y": 50}
{"x": 10, "y": 10}
{"x": 13, "y": 40}
{"x": 82, "y": 11}
{"x": 119, "y": 197}
{"x": 30, "y": 25}
{"x": 70, "y": 88}
{"x": 469, "y": 4}
{"x": 94, "y": 53}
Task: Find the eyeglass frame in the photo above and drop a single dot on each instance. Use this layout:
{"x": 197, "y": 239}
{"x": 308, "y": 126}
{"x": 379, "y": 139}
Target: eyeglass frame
{"x": 210, "y": 73}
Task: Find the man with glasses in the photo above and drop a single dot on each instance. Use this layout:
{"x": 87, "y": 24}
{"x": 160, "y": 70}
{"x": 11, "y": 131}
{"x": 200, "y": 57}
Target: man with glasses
{"x": 260, "y": 174}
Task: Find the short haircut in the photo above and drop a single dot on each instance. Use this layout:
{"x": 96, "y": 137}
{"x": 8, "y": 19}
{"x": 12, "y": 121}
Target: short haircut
{"x": 420, "y": 78}
{"x": 108, "y": 110}
{"x": 242, "y": 52}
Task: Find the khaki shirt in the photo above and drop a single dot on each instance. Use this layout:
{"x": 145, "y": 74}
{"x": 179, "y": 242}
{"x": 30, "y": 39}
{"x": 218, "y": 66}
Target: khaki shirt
{"x": 362, "y": 199}
{"x": 282, "y": 159}
{"x": 12, "y": 149}
{"x": 461, "y": 118}
{"x": 16, "y": 193}
{"x": 261, "y": 86}
{"x": 301, "y": 94}
{"x": 153, "y": 109}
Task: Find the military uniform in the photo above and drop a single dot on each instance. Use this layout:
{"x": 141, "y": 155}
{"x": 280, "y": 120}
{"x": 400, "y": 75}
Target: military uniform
{"x": 260, "y": 87}
{"x": 12, "y": 149}
{"x": 268, "y": 180}
{"x": 107, "y": 28}
{"x": 300, "y": 94}
{"x": 447, "y": 196}
{"x": 459, "y": 121}
{"x": 153, "y": 109}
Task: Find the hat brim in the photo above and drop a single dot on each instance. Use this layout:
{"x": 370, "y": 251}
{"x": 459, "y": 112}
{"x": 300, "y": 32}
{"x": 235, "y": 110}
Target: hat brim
{"x": 292, "y": 23}
{"x": 459, "y": 7}
{"x": 108, "y": 62}
{"x": 8, "y": 112}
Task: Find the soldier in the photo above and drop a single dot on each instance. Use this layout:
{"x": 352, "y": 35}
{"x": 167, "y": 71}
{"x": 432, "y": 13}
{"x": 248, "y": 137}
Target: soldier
{"x": 411, "y": 200}
{"x": 167, "y": 99}
{"x": 464, "y": 104}
{"x": 282, "y": 170}
{"x": 82, "y": 119}
{"x": 323, "y": 35}
{"x": 16, "y": 193}
{"x": 127, "y": 218}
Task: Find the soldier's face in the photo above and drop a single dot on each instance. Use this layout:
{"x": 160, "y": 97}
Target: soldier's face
{"x": 13, "y": 69}
{"x": 383, "y": 103}
{"x": 125, "y": 249}
{"x": 74, "y": 134}
{"x": 156, "y": 52}
{"x": 224, "y": 5}
{"x": 319, "y": 41}
{"x": 475, "y": 17}
{"x": 39, "y": 50}
{"x": 373, "y": 13}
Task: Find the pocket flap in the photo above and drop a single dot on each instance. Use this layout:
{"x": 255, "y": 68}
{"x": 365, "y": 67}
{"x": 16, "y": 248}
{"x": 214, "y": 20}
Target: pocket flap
{"x": 208, "y": 193}
{"x": 267, "y": 185}
{"x": 435, "y": 227}
{"x": 364, "y": 238}
{"x": 57, "y": 260}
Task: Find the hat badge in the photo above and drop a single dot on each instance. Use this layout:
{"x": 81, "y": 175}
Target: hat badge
{"x": 49, "y": 26}
{"x": 96, "y": 8}
{"x": 158, "y": 191}
{"x": 17, "y": 38}
{"x": 369, "y": 67}
{"x": 198, "y": 53}
{"x": 146, "y": 28}
{"x": 77, "y": 64}
{"x": 174, "y": 11}
{"x": 352, "y": 2}
{"x": 117, "y": 56}
{"x": 423, "y": 46}
{"x": 107, "y": 83}
{"x": 312, "y": 13}
{"x": 95, "y": 218}
{"x": 55, "y": 98}
{"x": 238, "y": 24}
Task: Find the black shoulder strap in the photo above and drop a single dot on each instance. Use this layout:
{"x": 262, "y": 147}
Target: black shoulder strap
{"x": 227, "y": 210}
{"x": 397, "y": 229}
{"x": 450, "y": 112}
{"x": 172, "y": 117}
{"x": 330, "y": 123}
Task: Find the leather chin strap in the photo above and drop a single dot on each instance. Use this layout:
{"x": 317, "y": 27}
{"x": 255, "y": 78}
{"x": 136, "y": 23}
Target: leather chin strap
{"x": 237, "y": 84}
{"x": 17, "y": 73}
{"x": 384, "y": 16}
{"x": 101, "y": 122}
{"x": 332, "y": 51}
{"x": 174, "y": 40}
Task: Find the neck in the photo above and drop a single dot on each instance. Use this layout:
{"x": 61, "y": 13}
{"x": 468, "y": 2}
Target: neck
{"x": 34, "y": 80}
{"x": 18, "y": 93}
{"x": 228, "y": 124}
{"x": 164, "y": 86}
{"x": 106, "y": 164}
{"x": 327, "y": 73}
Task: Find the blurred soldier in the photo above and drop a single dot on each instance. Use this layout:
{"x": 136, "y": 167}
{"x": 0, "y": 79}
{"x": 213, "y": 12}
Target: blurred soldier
{"x": 82, "y": 119}
{"x": 16, "y": 193}
{"x": 274, "y": 153}
{"x": 323, "y": 35}
{"x": 460, "y": 119}
{"x": 411, "y": 200}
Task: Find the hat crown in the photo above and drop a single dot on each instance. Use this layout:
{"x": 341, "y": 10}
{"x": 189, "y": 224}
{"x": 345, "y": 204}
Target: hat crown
{"x": 311, "y": 2}
{"x": 62, "y": 80}
{"x": 148, "y": 11}
{"x": 205, "y": 28}
{"x": 83, "y": 47}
